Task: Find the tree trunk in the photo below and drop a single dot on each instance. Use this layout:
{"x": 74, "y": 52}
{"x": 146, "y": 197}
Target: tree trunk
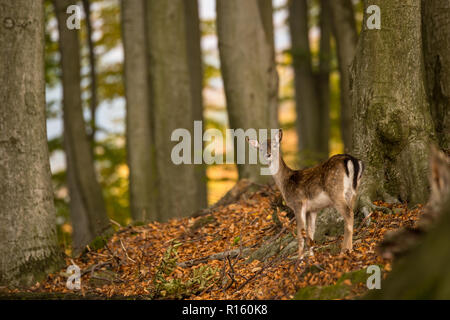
{"x": 306, "y": 98}
{"x": 193, "y": 42}
{"x": 93, "y": 85}
{"x": 323, "y": 77}
{"x": 344, "y": 30}
{"x": 28, "y": 242}
{"x": 266, "y": 13}
{"x": 87, "y": 208}
{"x": 248, "y": 69}
{"x": 392, "y": 122}
{"x": 140, "y": 140}
{"x": 436, "y": 44}
{"x": 171, "y": 104}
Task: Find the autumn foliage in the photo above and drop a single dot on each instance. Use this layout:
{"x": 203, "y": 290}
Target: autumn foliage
{"x": 149, "y": 261}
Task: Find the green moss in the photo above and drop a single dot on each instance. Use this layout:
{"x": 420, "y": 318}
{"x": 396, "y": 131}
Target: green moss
{"x": 138, "y": 223}
{"x": 100, "y": 241}
{"x": 340, "y": 290}
{"x": 35, "y": 270}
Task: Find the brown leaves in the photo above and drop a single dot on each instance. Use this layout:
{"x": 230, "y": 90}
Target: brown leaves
{"x": 134, "y": 254}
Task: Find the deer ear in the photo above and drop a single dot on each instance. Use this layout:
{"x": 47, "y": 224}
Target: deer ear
{"x": 279, "y": 135}
{"x": 253, "y": 143}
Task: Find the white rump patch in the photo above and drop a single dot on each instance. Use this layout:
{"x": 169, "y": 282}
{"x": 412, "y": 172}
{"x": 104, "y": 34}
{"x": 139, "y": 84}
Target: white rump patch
{"x": 348, "y": 182}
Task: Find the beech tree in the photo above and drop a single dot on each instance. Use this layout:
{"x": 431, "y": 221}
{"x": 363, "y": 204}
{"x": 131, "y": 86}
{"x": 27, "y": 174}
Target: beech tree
{"x": 393, "y": 127}
{"x": 87, "y": 207}
{"x": 140, "y": 140}
{"x": 248, "y": 68}
{"x": 345, "y": 33}
{"x": 28, "y": 242}
{"x": 179, "y": 191}
{"x": 436, "y": 44}
{"x": 311, "y": 88}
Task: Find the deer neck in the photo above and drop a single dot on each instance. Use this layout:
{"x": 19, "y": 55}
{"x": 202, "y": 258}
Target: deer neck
{"x": 280, "y": 172}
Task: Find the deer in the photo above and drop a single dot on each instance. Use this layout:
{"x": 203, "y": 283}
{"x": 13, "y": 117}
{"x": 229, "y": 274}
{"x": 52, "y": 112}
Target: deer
{"x": 333, "y": 183}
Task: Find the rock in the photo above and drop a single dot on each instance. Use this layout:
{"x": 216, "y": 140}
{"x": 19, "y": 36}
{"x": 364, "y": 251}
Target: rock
{"x": 329, "y": 223}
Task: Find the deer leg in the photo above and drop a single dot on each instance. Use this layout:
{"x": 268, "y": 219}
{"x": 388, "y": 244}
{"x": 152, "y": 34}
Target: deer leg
{"x": 300, "y": 215}
{"x": 347, "y": 214}
{"x": 311, "y": 224}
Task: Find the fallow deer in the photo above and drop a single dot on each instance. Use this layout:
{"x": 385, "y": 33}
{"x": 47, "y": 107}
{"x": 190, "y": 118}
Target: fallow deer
{"x": 333, "y": 183}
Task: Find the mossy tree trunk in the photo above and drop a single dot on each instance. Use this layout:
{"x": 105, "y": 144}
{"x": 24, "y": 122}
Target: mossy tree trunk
{"x": 171, "y": 101}
{"x": 87, "y": 207}
{"x": 140, "y": 140}
{"x": 247, "y": 56}
{"x": 28, "y": 242}
{"x": 345, "y": 33}
{"x": 436, "y": 45}
{"x": 392, "y": 123}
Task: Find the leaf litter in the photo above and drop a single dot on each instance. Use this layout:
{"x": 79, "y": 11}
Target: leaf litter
{"x": 207, "y": 257}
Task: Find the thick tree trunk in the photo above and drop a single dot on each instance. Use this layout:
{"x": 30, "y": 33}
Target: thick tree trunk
{"x": 392, "y": 122}
{"x": 248, "y": 69}
{"x": 93, "y": 73}
{"x": 140, "y": 141}
{"x": 28, "y": 241}
{"x": 171, "y": 104}
{"x": 306, "y": 98}
{"x": 87, "y": 208}
{"x": 193, "y": 42}
{"x": 345, "y": 33}
{"x": 436, "y": 44}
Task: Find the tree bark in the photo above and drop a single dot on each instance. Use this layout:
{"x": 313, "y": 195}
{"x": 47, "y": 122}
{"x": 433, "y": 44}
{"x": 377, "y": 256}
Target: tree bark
{"x": 193, "y": 42}
{"x": 140, "y": 140}
{"x": 28, "y": 242}
{"x": 345, "y": 33}
{"x": 392, "y": 123}
{"x": 87, "y": 208}
{"x": 248, "y": 69}
{"x": 266, "y": 13}
{"x": 323, "y": 77}
{"x": 93, "y": 73}
{"x": 171, "y": 104}
{"x": 306, "y": 98}
{"x": 436, "y": 45}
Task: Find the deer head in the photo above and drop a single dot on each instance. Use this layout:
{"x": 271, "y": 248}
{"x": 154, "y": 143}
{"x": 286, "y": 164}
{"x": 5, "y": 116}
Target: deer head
{"x": 269, "y": 150}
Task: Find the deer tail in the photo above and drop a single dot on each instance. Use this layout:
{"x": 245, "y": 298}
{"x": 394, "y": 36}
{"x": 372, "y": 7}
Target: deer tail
{"x": 354, "y": 169}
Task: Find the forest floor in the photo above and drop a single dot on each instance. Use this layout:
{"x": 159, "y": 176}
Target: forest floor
{"x": 149, "y": 261}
